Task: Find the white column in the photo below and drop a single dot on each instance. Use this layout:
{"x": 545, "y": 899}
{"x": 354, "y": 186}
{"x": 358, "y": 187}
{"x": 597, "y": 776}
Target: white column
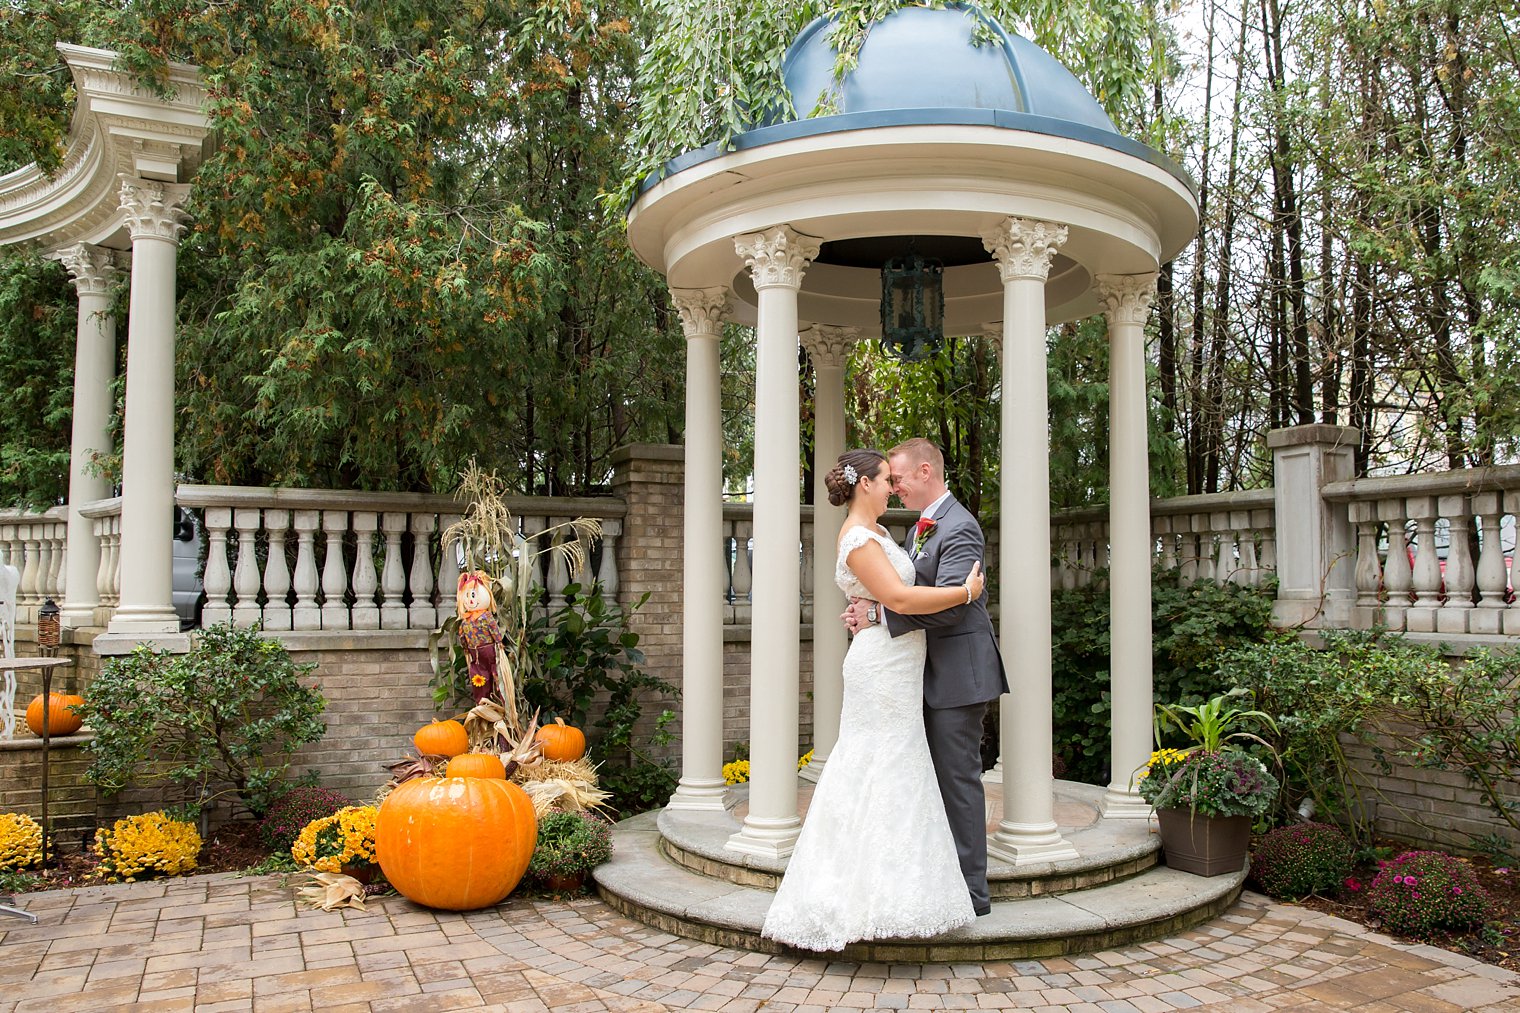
{"x": 94, "y": 272}
{"x": 1127, "y": 302}
{"x": 155, "y": 221}
{"x": 828, "y": 347}
{"x": 1023, "y": 250}
{"x": 777, "y": 259}
{"x": 992, "y": 333}
{"x": 703, "y": 311}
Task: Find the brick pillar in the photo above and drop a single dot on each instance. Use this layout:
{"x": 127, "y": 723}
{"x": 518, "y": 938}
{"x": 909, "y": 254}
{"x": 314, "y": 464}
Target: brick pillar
{"x": 649, "y": 478}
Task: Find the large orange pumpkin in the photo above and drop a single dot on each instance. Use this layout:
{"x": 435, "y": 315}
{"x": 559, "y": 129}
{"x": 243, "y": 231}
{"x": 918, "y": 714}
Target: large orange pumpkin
{"x": 441, "y": 738}
{"x": 561, "y": 741}
{"x": 476, "y": 765}
{"x": 61, "y": 717}
{"x": 455, "y": 843}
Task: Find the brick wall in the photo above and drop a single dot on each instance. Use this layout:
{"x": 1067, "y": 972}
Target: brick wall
{"x": 71, "y": 801}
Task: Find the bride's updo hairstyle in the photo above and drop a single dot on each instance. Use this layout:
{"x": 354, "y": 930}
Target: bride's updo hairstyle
{"x": 852, "y": 466}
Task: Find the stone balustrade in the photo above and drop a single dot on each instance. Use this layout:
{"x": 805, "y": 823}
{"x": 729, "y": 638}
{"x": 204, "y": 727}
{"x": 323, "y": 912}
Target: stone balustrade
{"x": 34, "y": 542}
{"x": 738, "y": 557}
{"x": 1433, "y": 551}
{"x": 1228, "y": 536}
{"x": 105, "y": 521}
{"x": 361, "y": 561}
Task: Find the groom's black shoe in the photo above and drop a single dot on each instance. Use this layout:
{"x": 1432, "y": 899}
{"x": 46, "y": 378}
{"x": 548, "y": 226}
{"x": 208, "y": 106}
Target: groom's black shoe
{"x": 983, "y": 910}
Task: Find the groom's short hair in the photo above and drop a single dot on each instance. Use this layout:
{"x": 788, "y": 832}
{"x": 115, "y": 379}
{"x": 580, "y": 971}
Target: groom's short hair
{"x": 920, "y": 450}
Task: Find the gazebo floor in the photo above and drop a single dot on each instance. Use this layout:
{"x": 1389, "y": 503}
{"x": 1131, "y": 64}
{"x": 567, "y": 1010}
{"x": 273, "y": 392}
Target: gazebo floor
{"x": 670, "y": 870}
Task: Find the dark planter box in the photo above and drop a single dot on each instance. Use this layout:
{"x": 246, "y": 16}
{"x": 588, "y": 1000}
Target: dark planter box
{"x": 1204, "y": 845}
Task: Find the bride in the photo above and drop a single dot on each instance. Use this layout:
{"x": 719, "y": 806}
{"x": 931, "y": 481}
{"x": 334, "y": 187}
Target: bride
{"x": 876, "y": 858}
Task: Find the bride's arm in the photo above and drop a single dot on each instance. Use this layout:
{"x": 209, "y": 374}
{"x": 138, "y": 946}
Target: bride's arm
{"x": 871, "y": 566}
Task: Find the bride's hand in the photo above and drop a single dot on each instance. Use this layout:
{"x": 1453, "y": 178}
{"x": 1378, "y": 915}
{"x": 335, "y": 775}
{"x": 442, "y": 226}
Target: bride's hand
{"x": 975, "y": 581}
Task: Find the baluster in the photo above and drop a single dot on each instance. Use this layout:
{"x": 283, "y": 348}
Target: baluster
{"x": 393, "y": 574}
{"x": 1249, "y": 574}
{"x": 1459, "y": 578}
{"x": 13, "y": 555}
{"x": 559, "y": 570}
{"x": 58, "y": 546}
{"x": 102, "y": 526}
{"x": 1071, "y": 559}
{"x": 1421, "y": 617}
{"x": 114, "y": 592}
{"x": 1265, "y": 523}
{"x": 217, "y": 579}
{"x": 422, "y": 614}
{"x": 1487, "y": 617}
{"x": 1512, "y": 615}
{"x": 727, "y": 580}
{"x": 277, "y": 614}
{"x": 805, "y": 576}
{"x": 1225, "y": 567}
{"x": 1081, "y": 556}
{"x": 366, "y": 615}
{"x": 44, "y": 561}
{"x": 1057, "y": 556}
{"x": 533, "y": 529}
{"x": 335, "y": 614}
{"x": 1167, "y": 554}
{"x": 607, "y": 572}
{"x": 1398, "y": 574}
{"x": 1200, "y": 525}
{"x": 27, "y": 597}
{"x": 306, "y": 615}
{"x": 743, "y": 575}
{"x": 1188, "y": 549}
{"x": 245, "y": 578}
{"x": 1369, "y": 573}
{"x": 448, "y": 568}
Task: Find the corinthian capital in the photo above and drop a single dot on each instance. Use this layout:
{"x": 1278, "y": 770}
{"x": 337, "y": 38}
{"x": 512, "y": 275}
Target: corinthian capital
{"x": 1023, "y": 247}
{"x": 93, "y": 268}
{"x": 1126, "y": 298}
{"x": 702, "y": 310}
{"x": 828, "y": 345}
{"x": 776, "y": 257}
{"x": 153, "y": 208}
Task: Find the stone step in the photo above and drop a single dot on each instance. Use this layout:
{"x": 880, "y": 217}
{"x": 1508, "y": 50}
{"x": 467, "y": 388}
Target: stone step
{"x": 643, "y": 883}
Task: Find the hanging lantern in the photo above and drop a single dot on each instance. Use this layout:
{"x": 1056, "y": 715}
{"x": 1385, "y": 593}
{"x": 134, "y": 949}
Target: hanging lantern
{"x": 912, "y": 306}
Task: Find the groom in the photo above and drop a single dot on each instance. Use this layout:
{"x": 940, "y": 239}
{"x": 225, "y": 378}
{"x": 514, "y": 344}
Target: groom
{"x": 963, "y": 671}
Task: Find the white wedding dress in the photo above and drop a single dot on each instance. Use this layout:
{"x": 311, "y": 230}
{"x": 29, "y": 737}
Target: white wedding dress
{"x": 875, "y": 858}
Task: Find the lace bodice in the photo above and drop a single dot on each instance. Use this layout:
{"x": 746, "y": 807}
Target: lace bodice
{"x": 854, "y": 539}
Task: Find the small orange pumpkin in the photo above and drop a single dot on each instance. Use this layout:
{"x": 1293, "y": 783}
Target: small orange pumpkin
{"x": 61, "y": 717}
{"x": 441, "y": 738}
{"x": 456, "y": 843}
{"x": 477, "y": 765}
{"x": 561, "y": 741}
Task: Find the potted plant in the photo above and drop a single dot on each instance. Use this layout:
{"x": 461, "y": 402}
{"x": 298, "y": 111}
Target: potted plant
{"x": 1208, "y": 794}
{"x": 570, "y": 845}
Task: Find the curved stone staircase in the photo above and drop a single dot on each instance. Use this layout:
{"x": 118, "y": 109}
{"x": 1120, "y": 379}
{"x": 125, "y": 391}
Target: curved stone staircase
{"x": 670, "y": 870}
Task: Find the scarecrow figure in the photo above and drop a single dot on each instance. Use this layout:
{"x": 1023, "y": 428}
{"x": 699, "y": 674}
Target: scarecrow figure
{"x": 479, "y": 634}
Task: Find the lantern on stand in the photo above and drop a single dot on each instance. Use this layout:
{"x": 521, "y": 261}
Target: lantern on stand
{"x": 49, "y": 636}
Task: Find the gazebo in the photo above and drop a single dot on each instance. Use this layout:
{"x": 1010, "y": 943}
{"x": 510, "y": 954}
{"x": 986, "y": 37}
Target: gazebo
{"x": 994, "y": 159}
{"x": 115, "y": 203}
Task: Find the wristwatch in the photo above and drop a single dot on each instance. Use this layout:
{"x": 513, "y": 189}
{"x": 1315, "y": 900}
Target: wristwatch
{"x": 872, "y": 616}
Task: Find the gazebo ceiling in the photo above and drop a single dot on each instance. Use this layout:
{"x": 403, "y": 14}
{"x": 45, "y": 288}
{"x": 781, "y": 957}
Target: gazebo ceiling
{"x": 1011, "y": 133}
{"x": 118, "y": 128}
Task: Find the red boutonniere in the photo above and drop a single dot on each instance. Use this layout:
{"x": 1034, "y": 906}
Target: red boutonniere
{"x": 921, "y": 533}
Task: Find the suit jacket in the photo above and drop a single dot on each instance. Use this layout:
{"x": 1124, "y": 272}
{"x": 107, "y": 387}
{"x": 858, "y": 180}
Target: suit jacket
{"x": 964, "y": 665}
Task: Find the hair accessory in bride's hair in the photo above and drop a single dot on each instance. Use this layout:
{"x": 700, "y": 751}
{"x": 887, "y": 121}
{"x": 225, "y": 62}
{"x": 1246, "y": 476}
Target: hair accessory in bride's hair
{"x": 850, "y": 474}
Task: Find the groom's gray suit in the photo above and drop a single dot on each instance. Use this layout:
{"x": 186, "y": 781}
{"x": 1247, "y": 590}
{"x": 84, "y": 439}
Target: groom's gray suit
{"x": 962, "y": 674}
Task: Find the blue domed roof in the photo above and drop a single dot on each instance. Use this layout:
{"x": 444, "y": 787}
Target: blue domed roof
{"x": 955, "y": 58}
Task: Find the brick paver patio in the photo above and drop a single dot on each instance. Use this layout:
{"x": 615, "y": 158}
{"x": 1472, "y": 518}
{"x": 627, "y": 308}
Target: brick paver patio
{"x": 225, "y": 943}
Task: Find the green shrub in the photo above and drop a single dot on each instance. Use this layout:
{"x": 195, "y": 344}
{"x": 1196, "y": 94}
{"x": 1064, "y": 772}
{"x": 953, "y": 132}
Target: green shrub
{"x": 1421, "y": 892}
{"x": 1193, "y": 624}
{"x": 292, "y": 810}
{"x": 1302, "y": 859}
{"x": 570, "y": 843}
{"x": 222, "y": 719}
